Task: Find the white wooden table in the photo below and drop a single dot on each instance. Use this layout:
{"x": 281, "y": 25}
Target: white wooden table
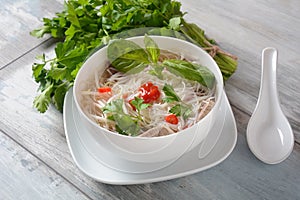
{"x": 35, "y": 162}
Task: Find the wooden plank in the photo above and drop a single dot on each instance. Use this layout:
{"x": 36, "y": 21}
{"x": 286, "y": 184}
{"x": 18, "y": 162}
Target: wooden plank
{"x": 43, "y": 136}
{"x": 18, "y": 18}
{"x": 25, "y": 177}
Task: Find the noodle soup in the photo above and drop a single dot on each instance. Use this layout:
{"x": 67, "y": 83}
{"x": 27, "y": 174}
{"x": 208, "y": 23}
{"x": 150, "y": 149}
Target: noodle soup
{"x": 148, "y": 114}
{"x": 195, "y": 100}
{"x": 149, "y": 103}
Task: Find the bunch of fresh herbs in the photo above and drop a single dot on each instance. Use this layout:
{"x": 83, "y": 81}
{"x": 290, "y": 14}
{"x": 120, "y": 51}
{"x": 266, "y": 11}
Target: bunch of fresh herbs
{"x": 84, "y": 25}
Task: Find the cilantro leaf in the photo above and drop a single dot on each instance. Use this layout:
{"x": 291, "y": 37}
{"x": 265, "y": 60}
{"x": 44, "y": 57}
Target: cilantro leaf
{"x": 72, "y": 15}
{"x": 58, "y": 73}
{"x": 37, "y": 69}
{"x": 139, "y": 104}
{"x": 175, "y": 23}
{"x": 41, "y": 102}
{"x": 40, "y": 31}
{"x": 59, "y": 93}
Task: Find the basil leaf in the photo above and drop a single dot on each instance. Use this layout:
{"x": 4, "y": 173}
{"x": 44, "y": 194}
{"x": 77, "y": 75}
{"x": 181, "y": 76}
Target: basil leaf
{"x": 125, "y": 124}
{"x": 126, "y": 56}
{"x": 115, "y": 106}
{"x": 190, "y": 71}
{"x": 170, "y": 93}
{"x": 152, "y": 48}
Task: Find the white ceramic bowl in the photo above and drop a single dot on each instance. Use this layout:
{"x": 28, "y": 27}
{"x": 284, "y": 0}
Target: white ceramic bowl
{"x": 156, "y": 149}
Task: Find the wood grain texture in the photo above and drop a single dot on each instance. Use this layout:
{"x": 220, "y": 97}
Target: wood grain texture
{"x": 18, "y": 18}
{"x": 243, "y": 28}
{"x": 25, "y": 177}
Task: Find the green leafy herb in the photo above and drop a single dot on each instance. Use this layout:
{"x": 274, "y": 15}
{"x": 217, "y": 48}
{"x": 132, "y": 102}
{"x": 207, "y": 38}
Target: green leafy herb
{"x": 139, "y": 104}
{"x": 175, "y": 23}
{"x": 41, "y": 102}
{"x": 59, "y": 78}
{"x": 181, "y": 110}
{"x": 170, "y": 93}
{"x": 124, "y": 123}
{"x": 190, "y": 71}
{"x": 152, "y": 48}
{"x": 115, "y": 106}
{"x": 126, "y": 56}
{"x": 226, "y": 61}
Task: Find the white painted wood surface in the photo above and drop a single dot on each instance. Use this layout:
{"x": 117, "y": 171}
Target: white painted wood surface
{"x": 35, "y": 162}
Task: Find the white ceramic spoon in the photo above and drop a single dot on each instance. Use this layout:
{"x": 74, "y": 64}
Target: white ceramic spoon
{"x": 269, "y": 134}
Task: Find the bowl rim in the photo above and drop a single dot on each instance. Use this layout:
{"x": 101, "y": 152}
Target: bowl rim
{"x": 106, "y": 131}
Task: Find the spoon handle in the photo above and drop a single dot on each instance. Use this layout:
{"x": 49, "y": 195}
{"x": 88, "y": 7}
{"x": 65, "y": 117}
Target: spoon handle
{"x": 268, "y": 85}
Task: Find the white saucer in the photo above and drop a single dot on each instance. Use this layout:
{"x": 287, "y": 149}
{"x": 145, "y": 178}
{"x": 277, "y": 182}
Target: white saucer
{"x": 106, "y": 168}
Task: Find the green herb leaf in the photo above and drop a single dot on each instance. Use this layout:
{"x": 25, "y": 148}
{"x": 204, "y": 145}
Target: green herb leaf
{"x": 115, "y": 106}
{"x": 139, "y": 104}
{"x": 181, "y": 110}
{"x": 126, "y": 56}
{"x": 37, "y": 69}
{"x": 40, "y": 31}
{"x": 72, "y": 15}
{"x": 170, "y": 93}
{"x": 124, "y": 123}
{"x": 190, "y": 71}
{"x": 175, "y": 23}
{"x": 59, "y": 93}
{"x": 227, "y": 64}
{"x": 41, "y": 102}
{"x": 156, "y": 70}
{"x": 152, "y": 48}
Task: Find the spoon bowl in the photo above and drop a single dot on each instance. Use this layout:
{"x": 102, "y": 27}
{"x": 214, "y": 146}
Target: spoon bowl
{"x": 269, "y": 134}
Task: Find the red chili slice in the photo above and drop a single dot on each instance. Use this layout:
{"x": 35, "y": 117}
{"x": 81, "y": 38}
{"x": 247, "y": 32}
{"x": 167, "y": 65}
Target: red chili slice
{"x": 149, "y": 92}
{"x": 104, "y": 89}
{"x": 172, "y": 119}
